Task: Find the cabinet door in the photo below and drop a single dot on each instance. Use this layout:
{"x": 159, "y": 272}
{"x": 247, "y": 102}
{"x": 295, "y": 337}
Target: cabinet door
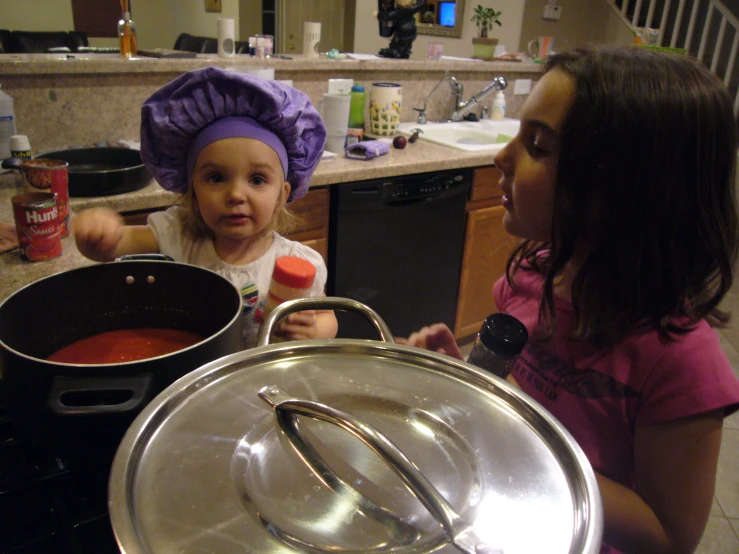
{"x": 485, "y": 186}
{"x": 486, "y": 251}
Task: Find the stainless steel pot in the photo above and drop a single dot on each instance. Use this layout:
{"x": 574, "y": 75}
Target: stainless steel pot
{"x": 349, "y": 446}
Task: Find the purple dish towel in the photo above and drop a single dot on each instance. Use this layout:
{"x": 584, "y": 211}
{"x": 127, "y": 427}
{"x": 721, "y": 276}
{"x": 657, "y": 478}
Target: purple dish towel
{"x": 367, "y": 149}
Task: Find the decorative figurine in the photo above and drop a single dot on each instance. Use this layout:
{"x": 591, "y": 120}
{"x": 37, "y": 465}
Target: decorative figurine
{"x": 398, "y": 19}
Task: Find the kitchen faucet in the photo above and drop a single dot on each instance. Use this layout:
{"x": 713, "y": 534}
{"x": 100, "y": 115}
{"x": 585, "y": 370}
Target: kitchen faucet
{"x": 499, "y": 83}
{"x": 459, "y": 108}
{"x": 457, "y": 89}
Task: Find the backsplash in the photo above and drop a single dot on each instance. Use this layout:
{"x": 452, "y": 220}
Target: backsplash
{"x": 99, "y": 100}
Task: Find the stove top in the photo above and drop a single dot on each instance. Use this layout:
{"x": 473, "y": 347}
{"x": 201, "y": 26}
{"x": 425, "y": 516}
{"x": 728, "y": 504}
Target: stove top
{"x": 51, "y": 505}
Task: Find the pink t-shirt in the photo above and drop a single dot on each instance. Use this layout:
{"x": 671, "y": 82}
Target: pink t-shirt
{"x": 601, "y": 396}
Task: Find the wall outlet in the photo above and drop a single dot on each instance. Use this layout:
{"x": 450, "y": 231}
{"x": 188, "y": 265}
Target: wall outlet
{"x": 522, "y": 86}
{"x": 552, "y": 13}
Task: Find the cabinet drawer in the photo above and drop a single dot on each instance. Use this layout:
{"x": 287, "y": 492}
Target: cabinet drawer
{"x": 138, "y": 218}
{"x": 485, "y": 184}
{"x": 320, "y": 246}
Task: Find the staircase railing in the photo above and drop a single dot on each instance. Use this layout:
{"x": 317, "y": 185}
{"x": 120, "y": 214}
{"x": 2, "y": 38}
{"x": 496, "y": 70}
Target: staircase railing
{"x": 706, "y": 29}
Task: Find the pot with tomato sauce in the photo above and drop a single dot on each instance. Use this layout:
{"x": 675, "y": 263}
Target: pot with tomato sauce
{"x": 83, "y": 351}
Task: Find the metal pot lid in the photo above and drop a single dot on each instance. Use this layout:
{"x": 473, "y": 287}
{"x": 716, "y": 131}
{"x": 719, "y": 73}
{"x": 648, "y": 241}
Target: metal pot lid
{"x": 348, "y": 446}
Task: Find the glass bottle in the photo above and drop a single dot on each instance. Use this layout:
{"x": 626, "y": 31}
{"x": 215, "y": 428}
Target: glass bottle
{"x": 501, "y": 338}
{"x": 127, "y": 36}
{"x": 7, "y": 123}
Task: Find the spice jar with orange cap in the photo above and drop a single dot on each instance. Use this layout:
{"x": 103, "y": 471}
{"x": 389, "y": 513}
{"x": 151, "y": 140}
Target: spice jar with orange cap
{"x": 292, "y": 278}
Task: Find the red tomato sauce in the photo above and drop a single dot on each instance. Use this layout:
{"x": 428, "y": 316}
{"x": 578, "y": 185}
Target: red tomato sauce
{"x": 125, "y": 345}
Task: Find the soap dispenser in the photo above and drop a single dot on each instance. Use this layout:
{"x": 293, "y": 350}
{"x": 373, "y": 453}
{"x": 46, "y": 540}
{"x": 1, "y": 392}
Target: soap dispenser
{"x": 498, "y": 106}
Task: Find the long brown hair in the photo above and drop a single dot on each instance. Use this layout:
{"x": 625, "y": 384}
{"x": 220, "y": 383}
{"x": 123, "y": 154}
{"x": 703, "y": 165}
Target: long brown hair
{"x": 645, "y": 175}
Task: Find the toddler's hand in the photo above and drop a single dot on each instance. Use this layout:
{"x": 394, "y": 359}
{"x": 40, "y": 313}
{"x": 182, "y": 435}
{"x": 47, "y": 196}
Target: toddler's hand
{"x": 97, "y": 233}
{"x": 299, "y": 326}
{"x": 437, "y": 338}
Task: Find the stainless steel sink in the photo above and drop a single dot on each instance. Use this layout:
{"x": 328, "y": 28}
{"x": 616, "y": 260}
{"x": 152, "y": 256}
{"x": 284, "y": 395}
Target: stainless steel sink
{"x": 472, "y": 136}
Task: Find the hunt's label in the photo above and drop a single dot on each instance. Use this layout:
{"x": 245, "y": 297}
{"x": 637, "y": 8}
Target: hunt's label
{"x": 37, "y": 225}
{"x": 44, "y": 175}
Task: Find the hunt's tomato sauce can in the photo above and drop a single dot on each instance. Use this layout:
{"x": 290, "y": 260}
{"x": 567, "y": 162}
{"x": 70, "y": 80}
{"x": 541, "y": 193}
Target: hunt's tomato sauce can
{"x": 44, "y": 175}
{"x": 37, "y": 224}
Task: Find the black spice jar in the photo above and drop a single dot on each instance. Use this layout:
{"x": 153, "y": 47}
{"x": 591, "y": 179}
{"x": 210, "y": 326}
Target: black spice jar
{"x": 501, "y": 338}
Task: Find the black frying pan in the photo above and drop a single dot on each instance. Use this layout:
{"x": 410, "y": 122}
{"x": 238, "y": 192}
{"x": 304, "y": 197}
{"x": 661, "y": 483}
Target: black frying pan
{"x": 98, "y": 171}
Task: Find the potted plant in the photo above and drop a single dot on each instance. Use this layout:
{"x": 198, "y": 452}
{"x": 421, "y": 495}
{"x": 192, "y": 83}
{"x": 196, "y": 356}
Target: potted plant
{"x": 484, "y": 18}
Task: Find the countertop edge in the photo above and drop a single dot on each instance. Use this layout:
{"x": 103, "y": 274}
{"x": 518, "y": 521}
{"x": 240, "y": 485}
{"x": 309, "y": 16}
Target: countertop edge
{"x": 59, "y": 64}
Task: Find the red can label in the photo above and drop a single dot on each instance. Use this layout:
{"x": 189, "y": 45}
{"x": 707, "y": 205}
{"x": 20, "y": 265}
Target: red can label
{"x": 37, "y": 225}
{"x": 44, "y": 175}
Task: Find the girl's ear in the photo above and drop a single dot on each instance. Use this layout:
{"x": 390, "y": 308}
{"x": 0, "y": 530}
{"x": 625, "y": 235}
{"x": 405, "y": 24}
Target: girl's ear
{"x": 285, "y": 192}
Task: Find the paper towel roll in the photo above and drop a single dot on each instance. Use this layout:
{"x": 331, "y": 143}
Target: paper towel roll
{"x": 226, "y": 44}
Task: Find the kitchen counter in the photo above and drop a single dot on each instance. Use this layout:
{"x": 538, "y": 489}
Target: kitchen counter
{"x": 91, "y": 63}
{"x": 419, "y": 157}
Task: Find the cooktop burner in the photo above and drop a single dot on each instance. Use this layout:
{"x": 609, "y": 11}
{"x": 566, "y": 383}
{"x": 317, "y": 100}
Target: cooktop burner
{"x": 51, "y": 505}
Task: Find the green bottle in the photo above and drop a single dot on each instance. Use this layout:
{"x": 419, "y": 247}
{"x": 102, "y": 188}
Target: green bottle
{"x": 355, "y": 133}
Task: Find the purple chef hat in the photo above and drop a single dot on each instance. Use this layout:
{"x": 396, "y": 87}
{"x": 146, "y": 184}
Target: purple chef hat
{"x": 175, "y": 114}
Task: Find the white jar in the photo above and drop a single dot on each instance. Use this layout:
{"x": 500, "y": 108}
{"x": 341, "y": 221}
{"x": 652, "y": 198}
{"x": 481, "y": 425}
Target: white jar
{"x": 7, "y": 124}
{"x": 498, "y": 106}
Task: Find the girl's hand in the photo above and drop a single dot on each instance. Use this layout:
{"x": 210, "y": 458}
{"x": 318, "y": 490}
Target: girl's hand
{"x": 97, "y": 233}
{"x": 437, "y": 338}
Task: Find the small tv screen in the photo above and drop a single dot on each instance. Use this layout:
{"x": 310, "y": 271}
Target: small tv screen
{"x": 446, "y": 14}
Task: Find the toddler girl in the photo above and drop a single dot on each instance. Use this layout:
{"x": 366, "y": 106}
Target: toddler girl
{"x": 238, "y": 148}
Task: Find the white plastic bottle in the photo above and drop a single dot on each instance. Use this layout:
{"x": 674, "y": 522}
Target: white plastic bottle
{"x": 7, "y": 124}
{"x": 498, "y": 106}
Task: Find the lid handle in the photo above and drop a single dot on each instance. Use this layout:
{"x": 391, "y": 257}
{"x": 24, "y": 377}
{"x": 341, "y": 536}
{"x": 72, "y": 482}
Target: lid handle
{"x": 460, "y": 533}
{"x": 322, "y": 303}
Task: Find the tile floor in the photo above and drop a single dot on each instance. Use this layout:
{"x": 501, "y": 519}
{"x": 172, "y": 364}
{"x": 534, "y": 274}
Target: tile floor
{"x": 722, "y": 533}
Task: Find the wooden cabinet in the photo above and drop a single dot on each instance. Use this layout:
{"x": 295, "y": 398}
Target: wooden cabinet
{"x": 486, "y": 250}
{"x": 312, "y": 210}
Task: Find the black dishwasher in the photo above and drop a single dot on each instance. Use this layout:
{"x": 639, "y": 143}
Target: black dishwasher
{"x": 396, "y": 245}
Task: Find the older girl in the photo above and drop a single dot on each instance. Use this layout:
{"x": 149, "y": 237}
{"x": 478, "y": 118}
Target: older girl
{"x": 621, "y": 182}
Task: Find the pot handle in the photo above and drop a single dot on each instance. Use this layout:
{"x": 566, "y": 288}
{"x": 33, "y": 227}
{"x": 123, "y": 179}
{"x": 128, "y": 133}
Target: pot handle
{"x": 460, "y": 533}
{"x": 322, "y": 303}
{"x": 99, "y": 395}
{"x": 12, "y": 163}
{"x": 145, "y": 257}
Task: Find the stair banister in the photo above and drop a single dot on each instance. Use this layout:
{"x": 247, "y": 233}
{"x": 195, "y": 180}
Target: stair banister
{"x": 703, "y": 13}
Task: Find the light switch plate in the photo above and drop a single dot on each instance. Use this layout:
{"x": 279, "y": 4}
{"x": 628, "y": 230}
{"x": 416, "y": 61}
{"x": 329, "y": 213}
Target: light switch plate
{"x": 552, "y": 13}
{"x": 522, "y": 86}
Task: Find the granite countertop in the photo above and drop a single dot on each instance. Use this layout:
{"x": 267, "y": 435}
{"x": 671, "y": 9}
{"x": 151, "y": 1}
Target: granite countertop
{"x": 39, "y": 64}
{"x": 419, "y": 157}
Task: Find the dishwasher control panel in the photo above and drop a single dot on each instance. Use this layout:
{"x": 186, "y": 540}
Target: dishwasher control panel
{"x": 418, "y": 186}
